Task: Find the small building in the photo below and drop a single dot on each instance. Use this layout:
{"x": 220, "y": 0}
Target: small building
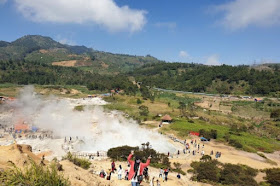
{"x": 21, "y": 128}
{"x": 166, "y": 119}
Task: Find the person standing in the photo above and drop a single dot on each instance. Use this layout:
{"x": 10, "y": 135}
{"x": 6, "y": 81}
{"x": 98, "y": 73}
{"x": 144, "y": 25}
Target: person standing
{"x": 113, "y": 166}
{"x": 120, "y": 172}
{"x": 158, "y": 183}
{"x": 152, "y": 181}
{"x": 166, "y": 173}
{"x": 136, "y": 170}
{"x": 178, "y": 176}
{"x": 108, "y": 174}
{"x": 160, "y": 172}
{"x": 126, "y": 175}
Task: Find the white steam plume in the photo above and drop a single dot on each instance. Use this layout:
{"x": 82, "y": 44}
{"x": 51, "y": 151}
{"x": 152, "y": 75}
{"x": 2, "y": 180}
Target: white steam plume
{"x": 101, "y": 130}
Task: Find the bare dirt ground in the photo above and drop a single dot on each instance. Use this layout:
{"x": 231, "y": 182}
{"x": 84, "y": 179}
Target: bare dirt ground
{"x": 229, "y": 155}
{"x": 153, "y": 172}
{"x": 43, "y": 51}
{"x": 70, "y": 63}
{"x": 19, "y": 154}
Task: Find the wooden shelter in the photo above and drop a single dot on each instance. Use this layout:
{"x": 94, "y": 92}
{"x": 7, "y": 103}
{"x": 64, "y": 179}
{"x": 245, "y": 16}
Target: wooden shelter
{"x": 166, "y": 119}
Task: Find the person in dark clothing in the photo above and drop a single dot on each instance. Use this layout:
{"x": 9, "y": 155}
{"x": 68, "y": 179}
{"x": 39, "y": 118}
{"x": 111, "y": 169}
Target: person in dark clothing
{"x": 166, "y": 173}
{"x": 178, "y": 176}
{"x": 113, "y": 167}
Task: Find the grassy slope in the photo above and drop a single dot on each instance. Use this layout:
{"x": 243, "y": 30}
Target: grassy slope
{"x": 249, "y": 141}
{"x": 215, "y": 120}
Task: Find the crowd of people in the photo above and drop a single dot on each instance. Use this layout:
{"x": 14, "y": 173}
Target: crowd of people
{"x": 193, "y": 148}
{"x": 138, "y": 171}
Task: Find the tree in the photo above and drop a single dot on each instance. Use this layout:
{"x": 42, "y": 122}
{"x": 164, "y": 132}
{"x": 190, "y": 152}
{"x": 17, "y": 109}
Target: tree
{"x": 145, "y": 92}
{"x": 143, "y": 110}
{"x": 275, "y": 114}
{"x": 182, "y": 107}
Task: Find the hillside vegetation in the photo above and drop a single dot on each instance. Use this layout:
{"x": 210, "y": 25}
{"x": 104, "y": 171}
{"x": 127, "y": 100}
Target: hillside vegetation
{"x": 212, "y": 79}
{"x": 40, "y": 60}
{"x": 35, "y": 48}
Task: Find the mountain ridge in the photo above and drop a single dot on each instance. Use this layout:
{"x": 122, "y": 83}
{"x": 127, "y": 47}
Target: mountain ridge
{"x": 46, "y": 50}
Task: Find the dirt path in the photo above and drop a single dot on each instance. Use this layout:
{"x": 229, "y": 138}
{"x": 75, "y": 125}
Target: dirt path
{"x": 229, "y": 155}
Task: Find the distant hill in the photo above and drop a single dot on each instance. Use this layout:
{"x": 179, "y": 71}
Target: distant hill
{"x": 36, "y": 59}
{"x": 38, "y": 48}
{"x": 223, "y": 79}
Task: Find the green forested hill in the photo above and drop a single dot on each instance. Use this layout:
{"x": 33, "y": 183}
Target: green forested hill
{"x": 42, "y": 49}
{"x": 212, "y": 79}
{"x": 29, "y": 60}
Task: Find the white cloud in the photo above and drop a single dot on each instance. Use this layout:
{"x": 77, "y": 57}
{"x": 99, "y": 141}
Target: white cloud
{"x": 3, "y": 1}
{"x": 213, "y": 60}
{"x": 184, "y": 54}
{"x": 105, "y": 13}
{"x": 242, "y": 13}
{"x": 169, "y": 25}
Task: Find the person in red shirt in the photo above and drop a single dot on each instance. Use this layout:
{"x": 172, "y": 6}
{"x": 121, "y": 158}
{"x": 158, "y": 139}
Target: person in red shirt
{"x": 137, "y": 168}
{"x": 113, "y": 165}
{"x": 166, "y": 171}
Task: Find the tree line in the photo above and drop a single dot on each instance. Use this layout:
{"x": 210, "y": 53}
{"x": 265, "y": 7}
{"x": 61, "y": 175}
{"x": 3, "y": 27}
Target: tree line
{"x": 199, "y": 78}
{"x": 24, "y": 73}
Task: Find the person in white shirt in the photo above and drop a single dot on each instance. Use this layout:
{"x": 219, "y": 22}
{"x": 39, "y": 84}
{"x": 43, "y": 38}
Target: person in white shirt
{"x": 152, "y": 181}
{"x": 160, "y": 172}
{"x": 120, "y": 172}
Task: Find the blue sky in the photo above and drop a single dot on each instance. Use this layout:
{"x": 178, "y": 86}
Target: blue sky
{"x": 202, "y": 31}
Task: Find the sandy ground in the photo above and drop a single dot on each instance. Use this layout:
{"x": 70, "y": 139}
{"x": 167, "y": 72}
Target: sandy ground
{"x": 19, "y": 154}
{"x": 79, "y": 176}
{"x": 229, "y": 155}
{"x": 153, "y": 172}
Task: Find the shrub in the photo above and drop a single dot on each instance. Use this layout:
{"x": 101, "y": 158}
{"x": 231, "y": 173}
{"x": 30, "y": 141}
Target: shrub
{"x": 262, "y": 155}
{"x": 33, "y": 174}
{"x": 177, "y": 165}
{"x": 139, "y": 101}
{"x": 84, "y": 163}
{"x": 273, "y": 176}
{"x": 208, "y": 171}
{"x": 212, "y": 134}
{"x": 178, "y": 168}
{"x": 79, "y": 108}
{"x": 143, "y": 110}
{"x": 275, "y": 114}
{"x": 121, "y": 154}
{"x": 235, "y": 143}
{"x": 227, "y": 137}
{"x": 238, "y": 174}
{"x": 205, "y": 171}
{"x": 205, "y": 158}
{"x": 228, "y": 174}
